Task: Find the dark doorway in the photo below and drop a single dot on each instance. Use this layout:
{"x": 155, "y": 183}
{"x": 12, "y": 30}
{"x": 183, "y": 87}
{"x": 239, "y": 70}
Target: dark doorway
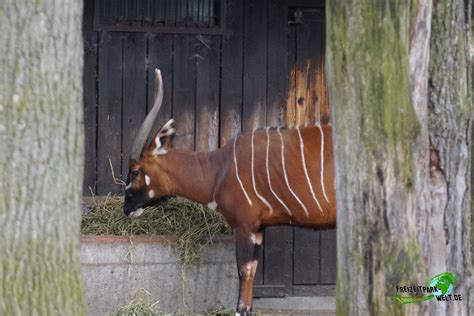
{"x": 297, "y": 261}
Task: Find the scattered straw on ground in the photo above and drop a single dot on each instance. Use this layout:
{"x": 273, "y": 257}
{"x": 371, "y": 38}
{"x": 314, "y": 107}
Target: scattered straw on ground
{"x": 143, "y": 305}
{"x": 193, "y": 224}
{"x": 140, "y": 305}
{"x": 229, "y": 312}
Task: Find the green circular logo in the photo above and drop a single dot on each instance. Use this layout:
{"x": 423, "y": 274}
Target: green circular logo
{"x": 444, "y": 282}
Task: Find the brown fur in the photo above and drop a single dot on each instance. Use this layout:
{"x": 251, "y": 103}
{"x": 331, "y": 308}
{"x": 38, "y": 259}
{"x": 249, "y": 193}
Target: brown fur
{"x": 210, "y": 176}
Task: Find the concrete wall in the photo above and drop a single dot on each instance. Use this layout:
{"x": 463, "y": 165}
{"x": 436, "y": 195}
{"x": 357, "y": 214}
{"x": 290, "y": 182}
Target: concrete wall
{"x": 114, "y": 268}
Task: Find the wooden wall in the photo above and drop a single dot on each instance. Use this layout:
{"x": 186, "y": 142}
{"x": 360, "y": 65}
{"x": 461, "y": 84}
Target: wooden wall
{"x": 263, "y": 71}
{"x": 215, "y": 85}
{"x": 267, "y": 69}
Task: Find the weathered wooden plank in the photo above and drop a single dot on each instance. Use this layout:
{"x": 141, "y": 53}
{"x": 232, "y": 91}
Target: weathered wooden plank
{"x": 231, "y": 75}
{"x": 278, "y": 252}
{"x": 290, "y": 113}
{"x": 306, "y": 104}
{"x": 160, "y": 56}
{"x": 278, "y": 255}
{"x": 306, "y": 3}
{"x": 314, "y": 290}
{"x": 90, "y": 98}
{"x": 277, "y": 63}
{"x": 207, "y": 93}
{"x": 328, "y": 256}
{"x": 134, "y": 92}
{"x": 270, "y": 291}
{"x": 325, "y": 113}
{"x": 105, "y": 8}
{"x": 116, "y": 9}
{"x": 184, "y": 85}
{"x": 109, "y": 112}
{"x": 311, "y": 96}
{"x": 306, "y": 256}
{"x": 309, "y": 101}
{"x": 255, "y": 64}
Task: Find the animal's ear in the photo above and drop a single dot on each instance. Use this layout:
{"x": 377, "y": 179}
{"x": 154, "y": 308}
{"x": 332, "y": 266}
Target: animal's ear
{"x": 163, "y": 139}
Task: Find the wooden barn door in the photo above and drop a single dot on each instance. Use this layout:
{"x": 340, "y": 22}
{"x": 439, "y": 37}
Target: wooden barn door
{"x": 297, "y": 261}
{"x": 314, "y": 252}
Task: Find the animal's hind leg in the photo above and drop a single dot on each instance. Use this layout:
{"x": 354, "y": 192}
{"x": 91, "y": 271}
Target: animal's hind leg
{"x": 247, "y": 246}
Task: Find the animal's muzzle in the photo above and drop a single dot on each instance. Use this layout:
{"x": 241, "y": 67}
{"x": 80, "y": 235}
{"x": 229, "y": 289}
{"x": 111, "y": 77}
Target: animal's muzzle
{"x": 132, "y": 211}
{"x": 136, "y": 213}
{"x": 126, "y": 210}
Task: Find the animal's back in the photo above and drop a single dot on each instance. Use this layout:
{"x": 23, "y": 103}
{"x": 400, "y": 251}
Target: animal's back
{"x": 286, "y": 174}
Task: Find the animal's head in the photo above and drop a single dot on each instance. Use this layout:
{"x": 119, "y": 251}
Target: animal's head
{"x": 147, "y": 182}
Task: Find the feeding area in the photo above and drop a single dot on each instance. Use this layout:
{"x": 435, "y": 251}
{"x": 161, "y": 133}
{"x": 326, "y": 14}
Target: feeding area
{"x": 211, "y": 100}
{"x": 157, "y": 263}
{"x": 193, "y": 224}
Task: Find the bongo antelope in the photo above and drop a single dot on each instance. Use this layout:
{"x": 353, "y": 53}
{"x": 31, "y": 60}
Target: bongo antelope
{"x": 270, "y": 176}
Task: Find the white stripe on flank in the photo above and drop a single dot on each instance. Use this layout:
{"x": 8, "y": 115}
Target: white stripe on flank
{"x": 286, "y": 176}
{"x": 322, "y": 162}
{"x": 253, "y": 175}
{"x": 268, "y": 175}
{"x": 306, "y": 170}
{"x": 237, "y": 174}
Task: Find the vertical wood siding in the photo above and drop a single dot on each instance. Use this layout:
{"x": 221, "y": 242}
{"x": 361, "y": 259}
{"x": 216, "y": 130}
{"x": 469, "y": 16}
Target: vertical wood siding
{"x": 215, "y": 86}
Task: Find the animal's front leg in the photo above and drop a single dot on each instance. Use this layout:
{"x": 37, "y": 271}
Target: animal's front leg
{"x": 247, "y": 246}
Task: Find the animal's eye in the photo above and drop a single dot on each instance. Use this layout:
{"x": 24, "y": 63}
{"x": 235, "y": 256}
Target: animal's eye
{"x": 134, "y": 174}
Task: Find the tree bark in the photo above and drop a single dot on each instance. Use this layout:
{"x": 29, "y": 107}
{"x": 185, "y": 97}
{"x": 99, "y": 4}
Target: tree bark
{"x": 401, "y": 113}
{"x": 449, "y": 126}
{"x": 41, "y": 157}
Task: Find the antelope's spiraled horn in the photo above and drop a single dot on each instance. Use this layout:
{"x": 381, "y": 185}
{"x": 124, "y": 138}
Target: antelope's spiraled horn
{"x": 147, "y": 124}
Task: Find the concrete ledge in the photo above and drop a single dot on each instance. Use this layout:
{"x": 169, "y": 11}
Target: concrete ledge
{"x": 300, "y": 305}
{"x": 114, "y": 268}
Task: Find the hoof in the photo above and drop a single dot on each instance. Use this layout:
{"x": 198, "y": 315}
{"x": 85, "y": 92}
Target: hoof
{"x": 243, "y": 310}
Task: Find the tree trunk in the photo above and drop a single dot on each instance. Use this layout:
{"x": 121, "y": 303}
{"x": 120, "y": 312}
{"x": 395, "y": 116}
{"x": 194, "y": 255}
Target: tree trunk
{"x": 449, "y": 126}
{"x": 401, "y": 113}
{"x": 41, "y": 157}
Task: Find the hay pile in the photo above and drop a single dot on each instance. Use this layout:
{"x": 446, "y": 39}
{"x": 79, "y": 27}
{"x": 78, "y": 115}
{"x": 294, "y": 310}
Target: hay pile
{"x": 193, "y": 224}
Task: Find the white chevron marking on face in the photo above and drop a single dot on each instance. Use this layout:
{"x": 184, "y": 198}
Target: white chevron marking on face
{"x": 238, "y": 177}
{"x": 306, "y": 170}
{"x": 322, "y": 162}
{"x": 253, "y": 175}
{"x": 268, "y": 174}
{"x": 286, "y": 175}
